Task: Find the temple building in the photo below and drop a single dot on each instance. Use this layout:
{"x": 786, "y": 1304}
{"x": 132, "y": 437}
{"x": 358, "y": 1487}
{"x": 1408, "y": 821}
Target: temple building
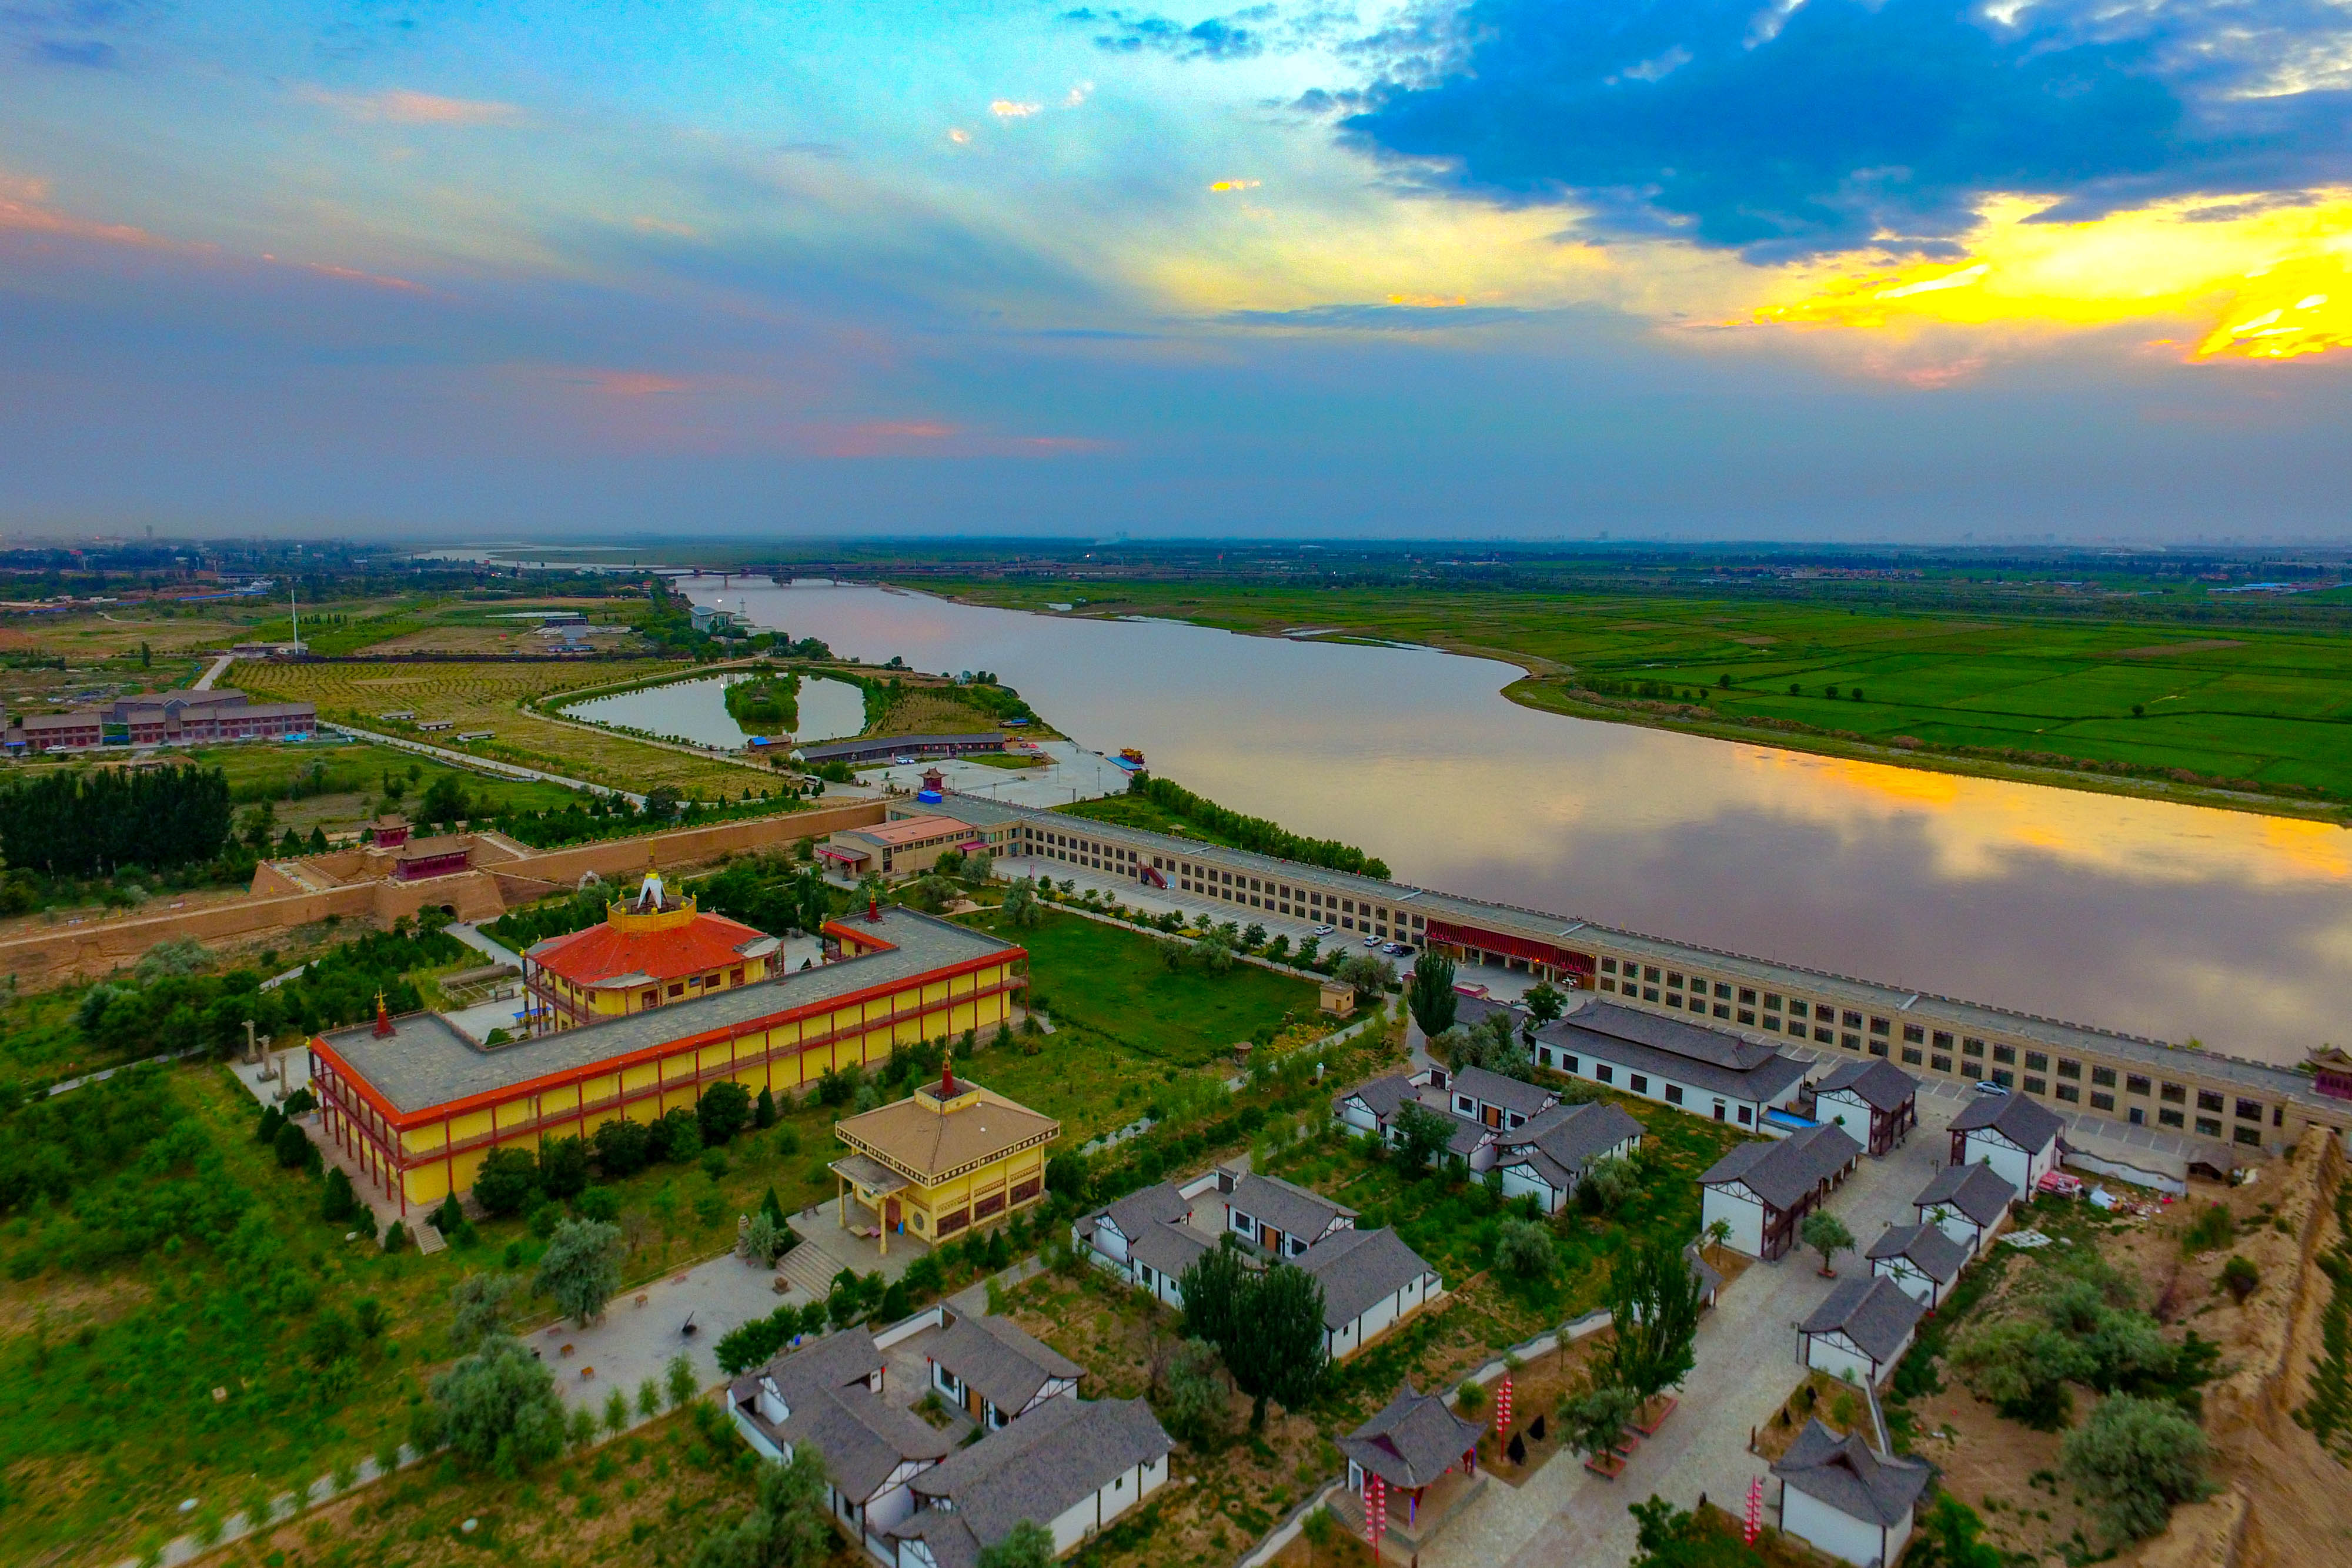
{"x": 415, "y": 1103}
{"x": 652, "y": 948}
{"x": 951, "y": 1155}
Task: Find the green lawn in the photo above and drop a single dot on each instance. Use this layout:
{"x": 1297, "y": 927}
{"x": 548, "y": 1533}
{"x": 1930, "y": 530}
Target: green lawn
{"x": 1124, "y": 1021}
{"x": 2229, "y": 693}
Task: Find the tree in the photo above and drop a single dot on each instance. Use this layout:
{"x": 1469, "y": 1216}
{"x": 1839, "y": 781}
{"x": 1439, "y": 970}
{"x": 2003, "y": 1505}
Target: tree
{"x": 1431, "y": 994}
{"x": 337, "y": 1200}
{"x": 1826, "y": 1234}
{"x": 763, "y": 1240}
{"x": 786, "y": 1527}
{"x": 294, "y": 1148}
{"x": 1718, "y": 1234}
{"x": 2023, "y": 1367}
{"x": 1421, "y": 1134}
{"x": 1594, "y": 1422}
{"x": 680, "y": 1379}
{"x": 496, "y": 1408}
{"x": 724, "y": 1110}
{"x": 1020, "y": 907}
{"x": 763, "y": 1110}
{"x": 1279, "y": 1351}
{"x": 1524, "y": 1249}
{"x": 563, "y": 1168}
{"x": 623, "y": 1147}
{"x": 1546, "y": 1003}
{"x": 1368, "y": 977}
{"x": 508, "y": 1182}
{"x": 2136, "y": 1458}
{"x": 1025, "y": 1545}
{"x": 444, "y": 801}
{"x": 1949, "y": 1538}
{"x": 580, "y": 1268}
{"x": 1653, "y": 1303}
{"x": 1605, "y": 1185}
{"x": 1195, "y": 1399}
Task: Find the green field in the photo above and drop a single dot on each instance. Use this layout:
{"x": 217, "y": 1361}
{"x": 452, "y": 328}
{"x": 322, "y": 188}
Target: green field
{"x": 2185, "y": 697}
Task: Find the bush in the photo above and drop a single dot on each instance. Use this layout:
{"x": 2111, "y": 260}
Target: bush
{"x": 2212, "y": 1228}
{"x": 1524, "y": 1250}
{"x": 295, "y": 1150}
{"x": 337, "y": 1200}
{"x": 598, "y": 1203}
{"x": 508, "y": 1182}
{"x": 563, "y": 1168}
{"x": 678, "y": 1135}
{"x": 2136, "y": 1458}
{"x": 623, "y": 1148}
{"x": 2240, "y": 1279}
{"x": 724, "y": 1111}
{"x": 498, "y": 1409}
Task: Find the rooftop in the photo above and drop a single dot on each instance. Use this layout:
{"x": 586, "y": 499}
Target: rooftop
{"x": 1412, "y": 1441}
{"x": 1871, "y": 1310}
{"x": 1877, "y": 1081}
{"x": 1769, "y": 1077}
{"x": 426, "y": 1063}
{"x": 2025, "y": 1123}
{"x": 927, "y": 1137}
{"x": 1288, "y": 1208}
{"x": 1494, "y": 1089}
{"x": 1042, "y": 1464}
{"x": 1782, "y": 1173}
{"x": 909, "y": 829}
{"x": 997, "y": 1357}
{"x": 1358, "y": 1268}
{"x": 1978, "y": 1191}
{"x": 1850, "y": 1476}
{"x": 1936, "y": 1255}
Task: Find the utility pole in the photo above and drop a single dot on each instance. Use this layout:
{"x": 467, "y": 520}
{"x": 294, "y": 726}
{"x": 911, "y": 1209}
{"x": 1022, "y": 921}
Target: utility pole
{"x": 292, "y": 609}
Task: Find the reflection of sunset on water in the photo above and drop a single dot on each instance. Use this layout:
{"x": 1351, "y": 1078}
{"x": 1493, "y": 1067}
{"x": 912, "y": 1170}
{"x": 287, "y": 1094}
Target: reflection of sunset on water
{"x": 2132, "y": 914}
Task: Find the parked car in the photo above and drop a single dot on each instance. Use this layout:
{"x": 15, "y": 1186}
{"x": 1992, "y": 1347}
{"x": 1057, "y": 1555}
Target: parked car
{"x": 1371, "y": 941}
{"x": 901, "y": 761}
{"x": 1989, "y": 1087}
{"x": 1396, "y": 949}
{"x": 1323, "y": 930}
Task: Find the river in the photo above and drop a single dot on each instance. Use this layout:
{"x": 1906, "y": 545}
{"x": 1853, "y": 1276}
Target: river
{"x": 695, "y": 711}
{"x": 2178, "y": 922}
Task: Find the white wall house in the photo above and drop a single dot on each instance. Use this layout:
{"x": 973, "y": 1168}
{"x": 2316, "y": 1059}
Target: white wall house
{"x": 1921, "y": 1258}
{"x": 1283, "y": 1218}
{"x": 1704, "y": 1071}
{"x": 1762, "y": 1191}
{"x": 2018, "y": 1137}
{"x": 1861, "y": 1330}
{"x": 1546, "y": 1158}
{"x": 1371, "y": 1281}
{"x": 1846, "y": 1498}
{"x": 1968, "y": 1203}
{"x": 1075, "y": 1467}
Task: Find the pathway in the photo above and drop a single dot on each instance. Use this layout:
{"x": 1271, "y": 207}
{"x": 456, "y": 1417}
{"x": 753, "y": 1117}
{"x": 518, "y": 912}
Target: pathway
{"x": 643, "y": 1329}
{"x": 489, "y": 947}
{"x": 1747, "y": 1366}
{"x": 484, "y": 764}
{"x": 220, "y": 667}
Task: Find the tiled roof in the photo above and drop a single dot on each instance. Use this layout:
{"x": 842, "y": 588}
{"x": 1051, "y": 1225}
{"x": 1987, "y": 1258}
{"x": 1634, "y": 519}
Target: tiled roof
{"x": 1766, "y": 1081}
{"x": 1871, "y": 1310}
{"x": 1936, "y": 1255}
{"x": 823, "y": 1385}
{"x": 1571, "y": 1136}
{"x": 1169, "y": 1247}
{"x": 1381, "y": 1096}
{"x": 1879, "y": 1081}
{"x": 1851, "y": 1476}
{"x": 917, "y": 1135}
{"x": 1358, "y": 1268}
{"x": 2021, "y": 1121}
{"x": 1289, "y": 1208}
{"x": 606, "y": 952}
{"x": 1043, "y": 1463}
{"x": 1978, "y": 1191}
{"x": 1494, "y": 1089}
{"x": 1782, "y": 1173}
{"x": 1004, "y": 1364}
{"x": 1712, "y": 1046}
{"x": 1412, "y": 1441}
{"x": 1160, "y": 1203}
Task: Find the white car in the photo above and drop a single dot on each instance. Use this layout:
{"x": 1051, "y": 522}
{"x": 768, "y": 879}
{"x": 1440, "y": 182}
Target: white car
{"x": 1323, "y": 930}
{"x": 901, "y": 761}
{"x": 1989, "y": 1087}
{"x": 1371, "y": 941}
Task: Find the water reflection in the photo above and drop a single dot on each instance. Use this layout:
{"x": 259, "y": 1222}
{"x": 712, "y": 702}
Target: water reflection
{"x": 696, "y": 711}
{"x": 2159, "y": 919}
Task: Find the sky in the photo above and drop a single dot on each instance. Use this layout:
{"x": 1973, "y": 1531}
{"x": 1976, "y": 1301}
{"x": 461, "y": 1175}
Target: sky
{"x": 1906, "y": 270}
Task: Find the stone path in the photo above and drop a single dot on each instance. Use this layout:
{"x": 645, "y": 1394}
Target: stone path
{"x": 1747, "y": 1366}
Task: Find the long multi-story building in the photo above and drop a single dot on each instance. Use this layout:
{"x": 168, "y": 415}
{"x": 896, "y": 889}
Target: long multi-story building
{"x": 162, "y": 719}
{"x": 2132, "y": 1082}
{"x": 416, "y": 1104}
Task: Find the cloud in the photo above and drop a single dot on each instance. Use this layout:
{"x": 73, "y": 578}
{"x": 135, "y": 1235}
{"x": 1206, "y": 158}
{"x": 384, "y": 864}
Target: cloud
{"x": 1012, "y": 109}
{"x": 90, "y": 53}
{"x": 1400, "y": 315}
{"x": 401, "y": 107}
{"x": 1234, "y": 185}
{"x": 24, "y": 207}
{"x": 1239, "y": 37}
{"x": 1836, "y": 124}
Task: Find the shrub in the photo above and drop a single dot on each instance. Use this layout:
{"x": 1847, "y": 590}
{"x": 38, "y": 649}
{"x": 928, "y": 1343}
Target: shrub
{"x": 294, "y": 1149}
{"x": 2240, "y": 1279}
{"x": 496, "y": 1408}
{"x": 623, "y": 1148}
{"x": 2212, "y": 1228}
{"x": 724, "y": 1111}
{"x": 508, "y": 1182}
{"x": 337, "y": 1201}
{"x": 1524, "y": 1249}
{"x": 2136, "y": 1458}
{"x": 598, "y": 1203}
{"x": 563, "y": 1168}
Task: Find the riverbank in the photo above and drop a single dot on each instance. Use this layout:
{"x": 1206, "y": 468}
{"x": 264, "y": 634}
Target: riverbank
{"x": 2244, "y": 722}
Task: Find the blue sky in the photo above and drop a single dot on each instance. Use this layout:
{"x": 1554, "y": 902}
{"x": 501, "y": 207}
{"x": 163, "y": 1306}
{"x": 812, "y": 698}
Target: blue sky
{"x": 1902, "y": 270}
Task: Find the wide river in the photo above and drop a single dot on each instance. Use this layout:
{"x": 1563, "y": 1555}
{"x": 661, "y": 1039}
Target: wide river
{"x": 2171, "y": 921}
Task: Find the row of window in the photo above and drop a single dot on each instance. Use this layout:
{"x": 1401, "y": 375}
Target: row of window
{"x": 1635, "y": 1082}
{"x": 1281, "y": 898}
{"x": 1851, "y": 1031}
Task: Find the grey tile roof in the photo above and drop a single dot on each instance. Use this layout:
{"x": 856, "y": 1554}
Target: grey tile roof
{"x": 1978, "y": 1191}
{"x": 2017, "y": 1117}
{"x": 1359, "y": 1268}
{"x": 995, "y": 1356}
{"x": 1879, "y": 1081}
{"x": 1571, "y": 1136}
{"x": 1381, "y": 1096}
{"x": 1494, "y": 1089}
{"x": 1769, "y": 1077}
{"x": 1709, "y": 1277}
{"x": 1158, "y": 1204}
{"x": 886, "y": 745}
{"x": 1289, "y": 1208}
{"x": 1463, "y": 1135}
{"x": 1412, "y": 1441}
{"x": 1851, "y": 1476}
{"x": 1871, "y": 1309}
{"x": 427, "y": 1062}
{"x": 1170, "y": 1248}
{"x": 1043, "y": 1463}
{"x": 863, "y": 1440}
{"x": 1937, "y": 1255}
{"x": 1783, "y": 1172}
{"x": 1715, "y": 1047}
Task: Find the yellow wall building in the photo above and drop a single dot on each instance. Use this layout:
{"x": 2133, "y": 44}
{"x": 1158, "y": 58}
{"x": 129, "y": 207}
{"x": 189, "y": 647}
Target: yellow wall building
{"x": 652, "y": 948}
{"x": 949, "y": 1156}
{"x": 416, "y": 1104}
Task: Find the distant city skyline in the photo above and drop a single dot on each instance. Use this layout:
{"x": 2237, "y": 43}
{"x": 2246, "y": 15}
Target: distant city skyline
{"x": 1902, "y": 272}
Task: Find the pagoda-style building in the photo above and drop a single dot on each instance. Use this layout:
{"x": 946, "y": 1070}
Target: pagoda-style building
{"x": 652, "y": 948}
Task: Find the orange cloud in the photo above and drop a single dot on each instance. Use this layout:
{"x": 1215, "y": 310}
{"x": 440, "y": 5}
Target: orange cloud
{"x": 1006, "y": 109}
{"x": 1234, "y": 185}
{"x": 401, "y": 107}
{"x": 24, "y": 207}
{"x": 352, "y": 275}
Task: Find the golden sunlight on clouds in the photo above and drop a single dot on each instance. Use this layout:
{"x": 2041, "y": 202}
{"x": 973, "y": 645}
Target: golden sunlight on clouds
{"x": 2265, "y": 284}
{"x": 402, "y": 107}
{"x": 1234, "y": 185}
{"x": 1007, "y": 109}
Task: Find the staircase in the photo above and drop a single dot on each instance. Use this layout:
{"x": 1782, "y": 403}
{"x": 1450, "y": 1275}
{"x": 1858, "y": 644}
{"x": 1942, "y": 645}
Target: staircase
{"x": 810, "y": 1269}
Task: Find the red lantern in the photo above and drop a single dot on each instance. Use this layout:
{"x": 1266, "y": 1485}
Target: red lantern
{"x": 1503, "y": 1412}
{"x": 1755, "y": 1511}
{"x": 1376, "y": 1511}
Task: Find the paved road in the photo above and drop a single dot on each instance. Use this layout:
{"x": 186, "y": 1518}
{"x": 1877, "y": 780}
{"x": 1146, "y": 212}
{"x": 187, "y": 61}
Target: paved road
{"x": 1747, "y": 1366}
{"x": 220, "y": 667}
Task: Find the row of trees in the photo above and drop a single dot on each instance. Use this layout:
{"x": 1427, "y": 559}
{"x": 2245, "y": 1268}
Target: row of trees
{"x": 83, "y": 823}
{"x": 1254, "y": 833}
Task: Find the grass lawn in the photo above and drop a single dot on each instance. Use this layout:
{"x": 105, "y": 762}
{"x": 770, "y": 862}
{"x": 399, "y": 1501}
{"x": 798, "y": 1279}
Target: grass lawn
{"x": 2222, "y": 694}
{"x": 491, "y": 696}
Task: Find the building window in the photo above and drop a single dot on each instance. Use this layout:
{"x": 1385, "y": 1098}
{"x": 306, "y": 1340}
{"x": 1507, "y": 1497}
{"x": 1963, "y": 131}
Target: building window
{"x": 2102, "y": 1101}
{"x": 1853, "y": 1019}
{"x": 2170, "y": 1118}
{"x": 2036, "y": 1086}
{"x": 1878, "y": 1048}
{"x": 2133, "y": 1084}
{"x": 2248, "y": 1134}
{"x": 1649, "y": 972}
{"x": 1850, "y": 1041}
{"x": 1914, "y": 1035}
{"x": 2035, "y": 1062}
{"x": 1940, "y": 1063}
{"x": 1880, "y": 1025}
{"x": 1608, "y": 984}
{"x": 1772, "y": 1002}
{"x": 1674, "y": 998}
{"x": 1912, "y": 1056}
{"x": 1943, "y": 1041}
{"x": 1607, "y": 966}
{"x": 1747, "y": 1015}
{"x": 2068, "y": 1093}
{"x": 2209, "y": 1126}
{"x": 1825, "y": 1036}
{"x": 2004, "y": 1077}
{"x": 1649, "y": 993}
{"x": 1639, "y": 1084}
{"x": 1745, "y": 1115}
{"x": 1774, "y": 1024}
{"x": 1723, "y": 1009}
{"x": 1603, "y": 1071}
{"x": 1748, "y": 996}
{"x": 1971, "y": 1047}
{"x": 1674, "y": 1093}
{"x": 2138, "y": 1116}
{"x": 1570, "y": 1062}
{"x": 1796, "y": 1008}
{"x": 2250, "y": 1110}
{"x": 1722, "y": 991}
{"x": 1673, "y": 979}
{"x": 2007, "y": 1053}
{"x": 2175, "y": 1094}
{"x": 2069, "y": 1068}
{"x": 2103, "y": 1077}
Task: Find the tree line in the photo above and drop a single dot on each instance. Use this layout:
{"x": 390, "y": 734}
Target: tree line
{"x": 84, "y": 823}
{"x": 1254, "y": 834}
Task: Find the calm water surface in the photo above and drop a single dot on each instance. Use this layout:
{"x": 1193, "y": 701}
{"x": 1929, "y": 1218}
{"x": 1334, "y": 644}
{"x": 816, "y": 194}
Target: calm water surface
{"x": 696, "y": 711}
{"x": 2165, "y": 920}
